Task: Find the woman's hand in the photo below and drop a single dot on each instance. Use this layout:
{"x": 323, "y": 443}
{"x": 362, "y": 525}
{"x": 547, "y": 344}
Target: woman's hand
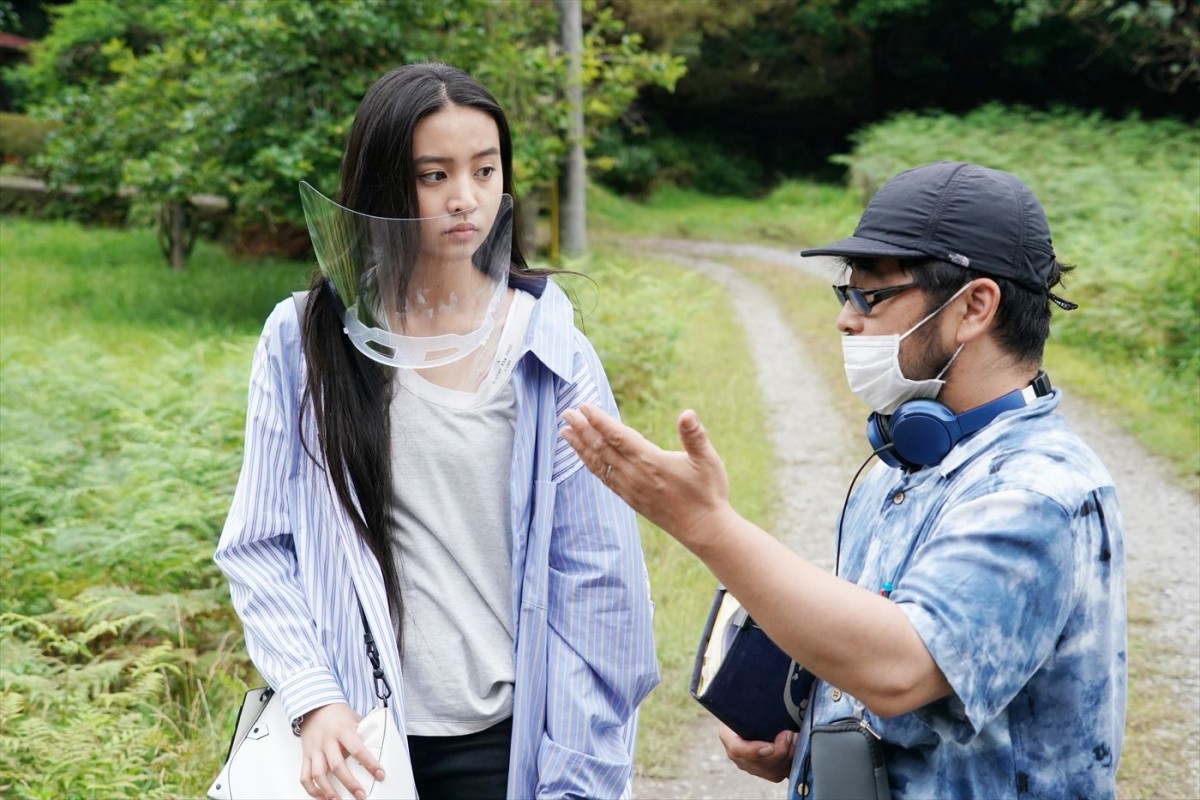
{"x": 769, "y": 760}
{"x": 329, "y": 735}
{"x": 684, "y": 493}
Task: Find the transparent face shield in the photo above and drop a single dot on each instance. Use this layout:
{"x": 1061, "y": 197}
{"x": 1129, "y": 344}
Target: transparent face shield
{"x": 418, "y": 293}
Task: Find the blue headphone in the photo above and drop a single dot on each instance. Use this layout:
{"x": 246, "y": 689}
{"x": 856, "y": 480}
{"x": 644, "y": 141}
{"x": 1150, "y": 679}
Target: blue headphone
{"x": 922, "y": 432}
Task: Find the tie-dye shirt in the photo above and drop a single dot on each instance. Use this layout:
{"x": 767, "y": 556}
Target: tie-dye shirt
{"x": 1008, "y": 560}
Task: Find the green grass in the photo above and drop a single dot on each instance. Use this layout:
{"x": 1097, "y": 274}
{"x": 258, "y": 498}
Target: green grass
{"x": 711, "y": 343}
{"x": 121, "y": 419}
{"x": 61, "y": 277}
{"x": 121, "y": 411}
{"x": 795, "y": 213}
{"x": 122, "y": 391}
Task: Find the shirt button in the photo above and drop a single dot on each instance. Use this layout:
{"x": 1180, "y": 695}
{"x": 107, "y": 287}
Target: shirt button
{"x": 898, "y": 498}
{"x": 835, "y": 694}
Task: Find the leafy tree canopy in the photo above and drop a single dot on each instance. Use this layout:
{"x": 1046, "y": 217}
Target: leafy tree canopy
{"x": 1159, "y": 38}
{"x": 244, "y": 98}
{"x": 785, "y": 81}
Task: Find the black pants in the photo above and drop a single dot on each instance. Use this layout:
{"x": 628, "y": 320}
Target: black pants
{"x": 466, "y": 767}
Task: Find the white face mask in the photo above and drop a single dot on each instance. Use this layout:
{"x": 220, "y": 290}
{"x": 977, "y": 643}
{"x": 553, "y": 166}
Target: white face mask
{"x": 873, "y": 368}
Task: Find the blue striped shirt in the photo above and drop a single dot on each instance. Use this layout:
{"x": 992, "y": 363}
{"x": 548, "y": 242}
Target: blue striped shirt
{"x": 584, "y": 647}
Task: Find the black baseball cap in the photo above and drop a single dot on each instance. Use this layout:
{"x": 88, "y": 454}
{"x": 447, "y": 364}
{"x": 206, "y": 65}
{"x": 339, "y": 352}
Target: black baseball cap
{"x": 966, "y": 214}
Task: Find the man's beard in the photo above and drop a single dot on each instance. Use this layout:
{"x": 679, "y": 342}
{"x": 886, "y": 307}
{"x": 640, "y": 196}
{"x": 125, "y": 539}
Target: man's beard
{"x": 921, "y": 355}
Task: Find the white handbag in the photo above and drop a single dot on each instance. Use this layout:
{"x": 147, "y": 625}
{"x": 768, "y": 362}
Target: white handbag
{"x": 265, "y": 755}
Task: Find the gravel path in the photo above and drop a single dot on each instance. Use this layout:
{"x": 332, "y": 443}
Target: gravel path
{"x": 817, "y": 453}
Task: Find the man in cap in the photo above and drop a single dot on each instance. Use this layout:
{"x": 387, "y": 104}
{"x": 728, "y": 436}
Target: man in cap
{"x": 976, "y": 625}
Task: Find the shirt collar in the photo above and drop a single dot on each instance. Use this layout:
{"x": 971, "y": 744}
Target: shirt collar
{"x": 550, "y": 337}
{"x": 967, "y": 449}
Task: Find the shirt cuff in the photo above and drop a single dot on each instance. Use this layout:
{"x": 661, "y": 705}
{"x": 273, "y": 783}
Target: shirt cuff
{"x": 308, "y": 690}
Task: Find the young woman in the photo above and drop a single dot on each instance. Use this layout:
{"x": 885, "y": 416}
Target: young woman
{"x": 402, "y": 453}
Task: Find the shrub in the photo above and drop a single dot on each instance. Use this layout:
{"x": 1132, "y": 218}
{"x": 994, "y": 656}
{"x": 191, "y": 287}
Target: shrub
{"x": 710, "y": 167}
{"x": 122, "y": 410}
{"x": 626, "y": 165}
{"x": 24, "y": 197}
{"x": 635, "y": 165}
{"x": 168, "y": 97}
{"x": 22, "y": 137}
{"x": 633, "y": 317}
{"x": 107, "y": 696}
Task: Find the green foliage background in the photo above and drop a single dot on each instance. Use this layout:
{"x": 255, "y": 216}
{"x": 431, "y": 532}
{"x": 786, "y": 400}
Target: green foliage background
{"x": 244, "y": 98}
{"x": 123, "y": 404}
{"x": 1123, "y": 200}
{"x": 782, "y": 83}
{"x": 124, "y": 386}
{"x": 121, "y": 426}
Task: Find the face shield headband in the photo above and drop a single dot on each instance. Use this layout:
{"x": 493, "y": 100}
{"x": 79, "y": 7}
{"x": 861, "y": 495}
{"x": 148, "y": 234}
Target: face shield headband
{"x": 417, "y": 293}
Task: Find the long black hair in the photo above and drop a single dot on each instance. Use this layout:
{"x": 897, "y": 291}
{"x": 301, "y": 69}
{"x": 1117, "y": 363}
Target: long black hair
{"x": 348, "y": 392}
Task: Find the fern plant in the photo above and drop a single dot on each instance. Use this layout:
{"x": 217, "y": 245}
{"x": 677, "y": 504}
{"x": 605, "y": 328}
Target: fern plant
{"x": 97, "y": 700}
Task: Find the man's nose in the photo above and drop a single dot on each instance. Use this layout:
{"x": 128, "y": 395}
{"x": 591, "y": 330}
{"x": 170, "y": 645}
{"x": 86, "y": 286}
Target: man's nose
{"x": 848, "y": 320}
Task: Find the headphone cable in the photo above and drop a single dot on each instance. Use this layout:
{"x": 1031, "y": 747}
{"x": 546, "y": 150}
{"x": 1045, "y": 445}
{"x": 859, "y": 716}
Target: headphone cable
{"x": 837, "y": 559}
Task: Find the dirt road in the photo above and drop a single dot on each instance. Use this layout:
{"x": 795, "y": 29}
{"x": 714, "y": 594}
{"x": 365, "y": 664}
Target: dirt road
{"x": 816, "y": 453}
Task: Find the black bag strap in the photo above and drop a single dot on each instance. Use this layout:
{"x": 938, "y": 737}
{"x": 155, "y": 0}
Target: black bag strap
{"x": 383, "y": 689}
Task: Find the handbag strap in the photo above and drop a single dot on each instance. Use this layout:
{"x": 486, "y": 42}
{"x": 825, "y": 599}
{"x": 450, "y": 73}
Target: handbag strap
{"x": 383, "y": 689}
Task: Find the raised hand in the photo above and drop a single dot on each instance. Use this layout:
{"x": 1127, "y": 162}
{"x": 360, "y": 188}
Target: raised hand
{"x": 684, "y": 493}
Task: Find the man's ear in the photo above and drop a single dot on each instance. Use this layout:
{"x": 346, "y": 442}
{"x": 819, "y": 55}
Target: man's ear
{"x": 982, "y": 299}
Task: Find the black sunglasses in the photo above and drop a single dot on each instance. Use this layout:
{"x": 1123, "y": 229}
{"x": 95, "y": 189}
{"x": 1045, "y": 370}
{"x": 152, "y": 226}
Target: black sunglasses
{"x": 864, "y": 300}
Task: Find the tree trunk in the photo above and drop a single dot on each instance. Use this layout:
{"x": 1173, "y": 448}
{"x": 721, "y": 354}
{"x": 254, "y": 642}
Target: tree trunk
{"x": 178, "y": 231}
{"x": 573, "y": 199}
{"x": 175, "y": 235}
{"x": 531, "y": 203}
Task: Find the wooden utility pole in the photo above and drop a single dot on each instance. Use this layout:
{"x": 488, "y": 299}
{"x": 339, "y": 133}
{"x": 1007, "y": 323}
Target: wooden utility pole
{"x": 572, "y": 197}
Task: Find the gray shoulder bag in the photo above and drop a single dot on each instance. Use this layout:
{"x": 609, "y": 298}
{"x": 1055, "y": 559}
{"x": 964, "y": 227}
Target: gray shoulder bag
{"x": 846, "y": 758}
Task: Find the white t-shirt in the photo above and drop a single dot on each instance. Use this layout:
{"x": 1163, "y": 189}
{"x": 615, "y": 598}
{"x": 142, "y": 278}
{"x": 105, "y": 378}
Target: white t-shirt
{"x": 452, "y": 537}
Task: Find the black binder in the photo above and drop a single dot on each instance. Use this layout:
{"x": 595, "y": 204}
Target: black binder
{"x": 744, "y": 679}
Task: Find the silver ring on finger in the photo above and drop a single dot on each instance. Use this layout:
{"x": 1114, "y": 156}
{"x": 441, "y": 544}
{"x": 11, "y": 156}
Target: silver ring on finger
{"x": 607, "y": 473}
